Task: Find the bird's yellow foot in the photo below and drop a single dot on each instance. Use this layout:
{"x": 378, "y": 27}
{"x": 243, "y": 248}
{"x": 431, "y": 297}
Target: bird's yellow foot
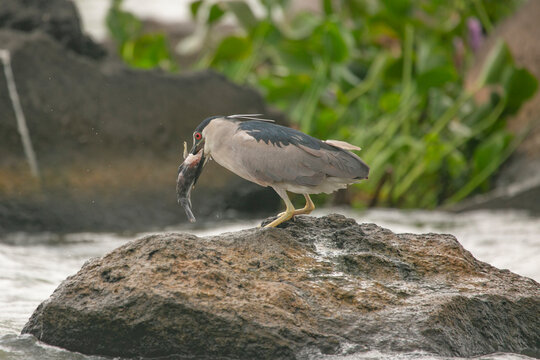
{"x": 282, "y": 217}
{"x": 298, "y": 212}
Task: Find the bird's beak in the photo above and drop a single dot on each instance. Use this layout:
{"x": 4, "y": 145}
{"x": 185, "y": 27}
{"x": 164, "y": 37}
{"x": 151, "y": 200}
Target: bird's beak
{"x": 197, "y": 147}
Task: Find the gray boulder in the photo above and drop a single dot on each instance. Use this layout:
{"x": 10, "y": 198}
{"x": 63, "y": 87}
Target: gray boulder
{"x": 315, "y": 286}
{"x": 57, "y": 18}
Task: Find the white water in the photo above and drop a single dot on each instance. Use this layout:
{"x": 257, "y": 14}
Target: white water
{"x": 32, "y": 266}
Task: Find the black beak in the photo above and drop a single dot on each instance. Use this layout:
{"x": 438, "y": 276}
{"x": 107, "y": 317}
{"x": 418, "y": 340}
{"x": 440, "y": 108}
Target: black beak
{"x": 197, "y": 147}
{"x": 199, "y": 167}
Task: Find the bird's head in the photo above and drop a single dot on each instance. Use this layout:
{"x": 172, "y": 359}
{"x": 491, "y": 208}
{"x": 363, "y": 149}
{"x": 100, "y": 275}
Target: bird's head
{"x": 199, "y": 138}
{"x": 198, "y": 143}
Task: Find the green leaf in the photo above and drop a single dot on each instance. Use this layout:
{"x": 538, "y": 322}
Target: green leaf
{"x": 497, "y": 61}
{"x": 327, "y": 7}
{"x": 273, "y": 3}
{"x": 147, "y": 51}
{"x": 457, "y": 164}
{"x": 499, "y": 68}
{"x": 488, "y": 151}
{"x": 232, "y": 48}
{"x": 295, "y": 55}
{"x": 288, "y": 88}
{"x": 435, "y": 150}
{"x": 389, "y": 102}
{"x": 122, "y": 25}
{"x": 429, "y": 55}
{"x": 216, "y": 12}
{"x": 398, "y": 7}
{"x": 334, "y": 45}
{"x": 436, "y": 77}
{"x": 194, "y": 7}
{"x": 243, "y": 14}
{"x": 519, "y": 87}
{"x": 327, "y": 118}
{"x": 439, "y": 102}
{"x": 302, "y": 26}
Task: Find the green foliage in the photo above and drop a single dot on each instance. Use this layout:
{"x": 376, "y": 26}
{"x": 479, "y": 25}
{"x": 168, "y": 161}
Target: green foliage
{"x": 140, "y": 50}
{"x": 386, "y": 75}
{"x": 232, "y": 48}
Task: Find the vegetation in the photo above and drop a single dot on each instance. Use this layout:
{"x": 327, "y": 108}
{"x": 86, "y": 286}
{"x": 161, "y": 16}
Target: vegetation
{"x": 138, "y": 49}
{"x": 387, "y": 75}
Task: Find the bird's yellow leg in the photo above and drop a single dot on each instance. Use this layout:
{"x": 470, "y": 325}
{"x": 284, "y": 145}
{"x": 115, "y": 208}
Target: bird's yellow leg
{"x": 289, "y": 212}
{"x": 306, "y": 209}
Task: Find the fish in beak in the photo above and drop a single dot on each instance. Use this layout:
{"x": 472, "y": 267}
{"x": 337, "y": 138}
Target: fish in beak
{"x": 188, "y": 173}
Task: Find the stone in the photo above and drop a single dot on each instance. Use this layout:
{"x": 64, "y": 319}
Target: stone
{"x": 58, "y": 18}
{"x": 312, "y": 286}
{"x": 109, "y": 140}
{"x": 521, "y": 195}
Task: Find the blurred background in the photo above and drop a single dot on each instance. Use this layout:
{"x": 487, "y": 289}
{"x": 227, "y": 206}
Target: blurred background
{"x": 429, "y": 89}
{"x": 440, "y": 95}
{"x": 98, "y": 96}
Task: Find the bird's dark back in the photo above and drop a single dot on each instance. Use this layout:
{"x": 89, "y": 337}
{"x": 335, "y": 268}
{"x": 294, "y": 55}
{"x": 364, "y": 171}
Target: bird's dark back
{"x": 280, "y": 136}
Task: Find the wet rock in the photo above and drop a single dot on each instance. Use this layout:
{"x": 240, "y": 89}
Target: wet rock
{"x": 108, "y": 142}
{"x": 58, "y": 18}
{"x": 314, "y": 286}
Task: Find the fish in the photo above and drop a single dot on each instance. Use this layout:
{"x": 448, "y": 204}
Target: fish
{"x": 188, "y": 173}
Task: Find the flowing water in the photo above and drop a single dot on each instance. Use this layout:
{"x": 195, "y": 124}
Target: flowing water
{"x": 33, "y": 265}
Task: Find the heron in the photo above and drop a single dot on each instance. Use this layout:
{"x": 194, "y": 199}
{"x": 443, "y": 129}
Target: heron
{"x": 268, "y": 154}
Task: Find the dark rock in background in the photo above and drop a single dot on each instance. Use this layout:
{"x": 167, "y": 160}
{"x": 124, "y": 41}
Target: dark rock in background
{"x": 523, "y": 194}
{"x": 108, "y": 139}
{"x": 317, "y": 285}
{"x": 57, "y": 18}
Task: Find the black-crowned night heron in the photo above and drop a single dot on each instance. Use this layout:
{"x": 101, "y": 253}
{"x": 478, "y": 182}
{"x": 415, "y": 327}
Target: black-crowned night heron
{"x": 270, "y": 155}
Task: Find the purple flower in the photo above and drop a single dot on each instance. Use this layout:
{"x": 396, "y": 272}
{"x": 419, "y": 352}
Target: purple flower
{"x": 476, "y": 37}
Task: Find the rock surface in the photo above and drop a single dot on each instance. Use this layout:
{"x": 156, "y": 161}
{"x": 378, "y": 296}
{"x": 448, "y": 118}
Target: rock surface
{"x": 315, "y": 286}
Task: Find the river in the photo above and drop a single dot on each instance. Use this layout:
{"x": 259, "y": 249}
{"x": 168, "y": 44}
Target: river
{"x": 33, "y": 265}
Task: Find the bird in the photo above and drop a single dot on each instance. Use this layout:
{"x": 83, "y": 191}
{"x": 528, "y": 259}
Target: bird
{"x": 269, "y": 154}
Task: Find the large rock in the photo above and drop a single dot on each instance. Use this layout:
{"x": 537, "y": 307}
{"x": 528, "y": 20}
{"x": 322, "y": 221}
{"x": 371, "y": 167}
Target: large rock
{"x": 58, "y": 18}
{"x": 109, "y": 141}
{"x": 318, "y": 285}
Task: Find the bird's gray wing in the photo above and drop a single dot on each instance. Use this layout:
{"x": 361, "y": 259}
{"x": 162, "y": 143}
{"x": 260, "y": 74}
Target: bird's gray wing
{"x": 295, "y": 163}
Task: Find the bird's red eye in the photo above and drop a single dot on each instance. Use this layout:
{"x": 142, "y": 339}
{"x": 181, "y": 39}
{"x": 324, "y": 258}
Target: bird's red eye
{"x": 198, "y": 136}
